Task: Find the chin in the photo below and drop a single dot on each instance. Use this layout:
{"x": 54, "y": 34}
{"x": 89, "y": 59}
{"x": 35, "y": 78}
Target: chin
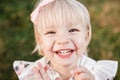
{"x": 67, "y": 62}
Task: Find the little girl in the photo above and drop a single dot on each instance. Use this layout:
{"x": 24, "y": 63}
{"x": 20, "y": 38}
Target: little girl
{"x": 63, "y": 32}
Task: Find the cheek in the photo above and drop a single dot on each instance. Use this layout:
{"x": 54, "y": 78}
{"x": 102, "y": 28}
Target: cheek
{"x": 46, "y": 49}
{"x": 82, "y": 41}
{"x": 46, "y": 45}
{"x": 81, "y": 47}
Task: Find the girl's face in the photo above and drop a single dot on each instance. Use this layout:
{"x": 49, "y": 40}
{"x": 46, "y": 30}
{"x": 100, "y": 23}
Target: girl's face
{"x": 64, "y": 44}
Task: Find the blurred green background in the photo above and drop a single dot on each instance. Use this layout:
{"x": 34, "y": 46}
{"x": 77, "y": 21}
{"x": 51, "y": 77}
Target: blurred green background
{"x": 17, "y": 36}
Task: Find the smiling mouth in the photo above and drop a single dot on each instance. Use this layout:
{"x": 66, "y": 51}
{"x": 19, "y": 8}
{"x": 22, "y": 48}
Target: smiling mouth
{"x": 64, "y": 53}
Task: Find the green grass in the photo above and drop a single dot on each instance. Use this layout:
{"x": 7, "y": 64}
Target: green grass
{"x": 17, "y": 36}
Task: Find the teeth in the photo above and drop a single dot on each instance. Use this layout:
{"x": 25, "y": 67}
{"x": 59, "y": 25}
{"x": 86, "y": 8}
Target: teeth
{"x": 64, "y": 52}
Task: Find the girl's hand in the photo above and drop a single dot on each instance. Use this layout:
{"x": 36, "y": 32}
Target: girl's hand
{"x": 81, "y": 73}
{"x": 40, "y": 72}
{"x": 37, "y": 73}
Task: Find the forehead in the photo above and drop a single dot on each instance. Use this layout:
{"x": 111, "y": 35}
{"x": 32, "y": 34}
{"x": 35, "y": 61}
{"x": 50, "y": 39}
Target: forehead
{"x": 60, "y": 14}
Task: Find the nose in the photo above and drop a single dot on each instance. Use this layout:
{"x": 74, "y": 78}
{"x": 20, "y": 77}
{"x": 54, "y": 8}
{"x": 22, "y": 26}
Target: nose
{"x": 63, "y": 39}
{"x": 63, "y": 42}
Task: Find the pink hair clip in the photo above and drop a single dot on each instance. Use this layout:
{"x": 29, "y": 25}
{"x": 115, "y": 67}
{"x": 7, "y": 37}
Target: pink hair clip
{"x": 35, "y": 13}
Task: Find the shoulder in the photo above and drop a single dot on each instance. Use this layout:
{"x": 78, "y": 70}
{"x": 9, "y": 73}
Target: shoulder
{"x": 102, "y": 69}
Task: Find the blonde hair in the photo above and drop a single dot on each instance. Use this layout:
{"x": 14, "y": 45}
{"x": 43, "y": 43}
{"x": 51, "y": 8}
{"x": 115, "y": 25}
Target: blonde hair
{"x": 63, "y": 12}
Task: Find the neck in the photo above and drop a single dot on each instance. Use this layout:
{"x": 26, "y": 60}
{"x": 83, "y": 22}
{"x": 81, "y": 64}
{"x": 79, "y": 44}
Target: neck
{"x": 64, "y": 71}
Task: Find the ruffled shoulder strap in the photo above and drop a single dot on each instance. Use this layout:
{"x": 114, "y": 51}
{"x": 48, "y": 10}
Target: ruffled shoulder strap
{"x": 102, "y": 69}
{"x": 22, "y": 67}
{"x": 105, "y": 69}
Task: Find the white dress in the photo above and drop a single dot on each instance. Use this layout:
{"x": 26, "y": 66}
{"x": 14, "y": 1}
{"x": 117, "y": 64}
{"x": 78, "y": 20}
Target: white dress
{"x": 102, "y": 69}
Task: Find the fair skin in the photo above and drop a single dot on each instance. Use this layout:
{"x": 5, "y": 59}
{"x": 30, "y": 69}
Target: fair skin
{"x": 63, "y": 45}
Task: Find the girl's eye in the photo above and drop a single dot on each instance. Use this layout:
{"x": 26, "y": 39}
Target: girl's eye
{"x": 50, "y": 32}
{"x": 74, "y": 30}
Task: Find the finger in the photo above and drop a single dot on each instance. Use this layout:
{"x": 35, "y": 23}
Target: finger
{"x": 79, "y": 70}
{"x": 84, "y": 76}
{"x": 43, "y": 72}
{"x": 82, "y": 73}
{"x": 58, "y": 78}
{"x": 46, "y": 68}
{"x": 37, "y": 74}
{"x": 80, "y": 77}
